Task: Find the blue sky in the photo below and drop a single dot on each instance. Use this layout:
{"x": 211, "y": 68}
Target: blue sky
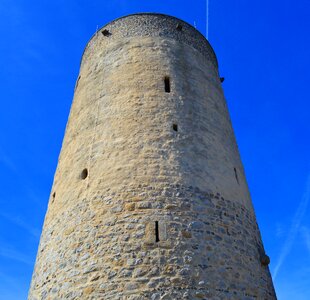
{"x": 263, "y": 52}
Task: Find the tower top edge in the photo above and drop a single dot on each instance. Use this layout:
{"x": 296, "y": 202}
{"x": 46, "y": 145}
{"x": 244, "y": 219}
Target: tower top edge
{"x": 158, "y": 24}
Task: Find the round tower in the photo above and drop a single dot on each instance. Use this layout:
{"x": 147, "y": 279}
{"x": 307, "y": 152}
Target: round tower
{"x": 149, "y": 199}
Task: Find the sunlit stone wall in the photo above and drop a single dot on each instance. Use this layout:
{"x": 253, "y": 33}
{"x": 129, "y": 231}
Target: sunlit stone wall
{"x": 149, "y": 199}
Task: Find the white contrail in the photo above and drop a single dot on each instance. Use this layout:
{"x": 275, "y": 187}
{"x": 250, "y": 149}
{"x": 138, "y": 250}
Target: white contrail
{"x": 294, "y": 228}
{"x": 306, "y": 233}
{"x": 207, "y": 21}
{"x": 19, "y": 222}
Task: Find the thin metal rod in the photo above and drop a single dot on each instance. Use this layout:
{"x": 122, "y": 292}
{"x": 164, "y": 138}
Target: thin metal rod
{"x": 207, "y": 19}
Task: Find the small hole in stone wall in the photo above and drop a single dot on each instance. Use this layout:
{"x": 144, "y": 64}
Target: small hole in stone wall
{"x": 167, "y": 84}
{"x": 53, "y": 197}
{"x": 156, "y": 232}
{"x": 84, "y": 174}
{"x": 106, "y": 32}
{"x": 236, "y": 175}
{"x": 179, "y": 27}
{"x": 175, "y": 127}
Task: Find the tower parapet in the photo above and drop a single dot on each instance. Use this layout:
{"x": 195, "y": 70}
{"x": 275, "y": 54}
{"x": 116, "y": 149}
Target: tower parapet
{"x": 154, "y": 25}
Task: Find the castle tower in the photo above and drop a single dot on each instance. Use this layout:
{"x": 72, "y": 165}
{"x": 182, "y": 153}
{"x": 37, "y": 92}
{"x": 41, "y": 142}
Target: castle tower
{"x": 149, "y": 199}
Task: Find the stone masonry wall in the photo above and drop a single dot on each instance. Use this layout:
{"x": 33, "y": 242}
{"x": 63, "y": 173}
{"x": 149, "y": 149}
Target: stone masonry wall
{"x": 149, "y": 199}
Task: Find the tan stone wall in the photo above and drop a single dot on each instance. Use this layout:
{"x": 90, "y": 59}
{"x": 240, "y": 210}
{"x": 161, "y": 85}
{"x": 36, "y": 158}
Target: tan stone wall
{"x": 161, "y": 214}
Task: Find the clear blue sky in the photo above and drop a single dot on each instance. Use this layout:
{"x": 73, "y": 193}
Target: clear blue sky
{"x": 263, "y": 50}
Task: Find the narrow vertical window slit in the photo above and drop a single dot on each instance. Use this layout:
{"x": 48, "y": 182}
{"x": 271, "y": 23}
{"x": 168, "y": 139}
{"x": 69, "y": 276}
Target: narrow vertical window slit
{"x": 156, "y": 232}
{"x": 77, "y": 82}
{"x": 167, "y": 84}
{"x": 236, "y": 175}
{"x": 53, "y": 197}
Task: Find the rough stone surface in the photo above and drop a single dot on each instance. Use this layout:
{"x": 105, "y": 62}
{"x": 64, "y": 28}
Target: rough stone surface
{"x": 162, "y": 214}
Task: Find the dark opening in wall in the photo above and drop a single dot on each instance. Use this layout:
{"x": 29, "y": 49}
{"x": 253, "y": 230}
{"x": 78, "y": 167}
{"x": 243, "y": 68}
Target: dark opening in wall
{"x": 265, "y": 260}
{"x": 175, "y": 127}
{"x": 77, "y": 82}
{"x": 156, "y": 232}
{"x": 84, "y": 174}
{"x": 53, "y": 197}
{"x": 179, "y": 27}
{"x": 106, "y": 32}
{"x": 236, "y": 175}
{"x": 167, "y": 84}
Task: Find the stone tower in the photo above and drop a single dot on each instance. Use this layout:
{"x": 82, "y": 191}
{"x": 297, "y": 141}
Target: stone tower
{"x": 149, "y": 199}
